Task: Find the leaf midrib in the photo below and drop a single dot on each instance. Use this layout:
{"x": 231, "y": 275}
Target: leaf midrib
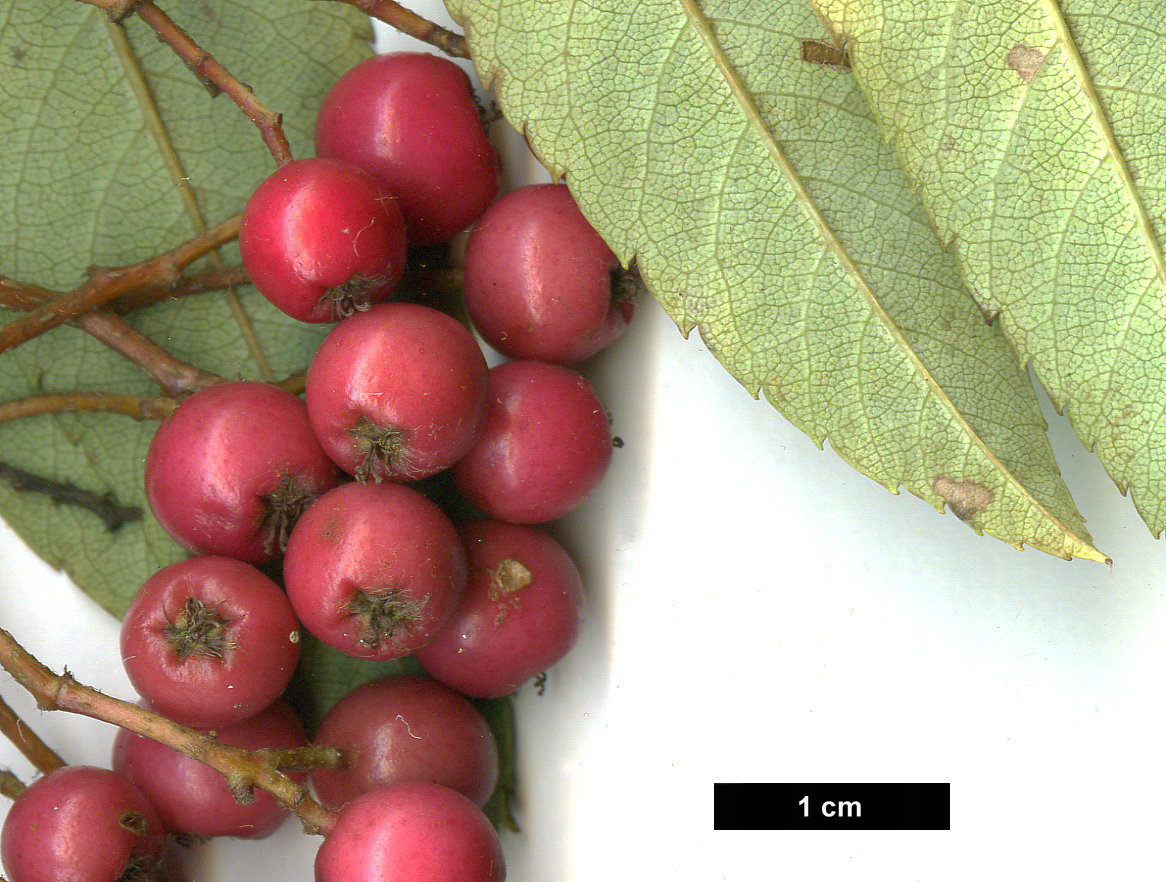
{"x": 1105, "y": 130}
{"x": 704, "y": 28}
{"x": 127, "y": 56}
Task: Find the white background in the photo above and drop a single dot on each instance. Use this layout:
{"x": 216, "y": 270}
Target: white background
{"x": 761, "y": 612}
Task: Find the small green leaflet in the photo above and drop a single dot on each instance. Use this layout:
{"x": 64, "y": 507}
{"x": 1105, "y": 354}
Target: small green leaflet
{"x": 764, "y": 209}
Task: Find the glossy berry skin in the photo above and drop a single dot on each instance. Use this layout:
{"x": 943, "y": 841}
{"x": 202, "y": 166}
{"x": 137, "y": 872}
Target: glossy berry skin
{"x": 228, "y": 472}
{"x": 545, "y": 445}
{"x": 410, "y": 119}
{"x": 411, "y": 832}
{"x": 193, "y": 798}
{"x": 322, "y": 239}
{"x": 80, "y": 823}
{"x": 521, "y": 613}
{"x": 374, "y": 570}
{"x": 539, "y": 281}
{"x": 397, "y": 392}
{"x": 210, "y": 641}
{"x": 406, "y": 728}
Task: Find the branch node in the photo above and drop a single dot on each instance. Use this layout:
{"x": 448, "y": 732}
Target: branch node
{"x": 196, "y": 67}
{"x": 51, "y": 700}
{"x": 120, "y": 10}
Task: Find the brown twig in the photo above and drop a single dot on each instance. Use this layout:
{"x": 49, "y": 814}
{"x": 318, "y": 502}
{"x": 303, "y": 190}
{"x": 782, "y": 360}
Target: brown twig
{"x": 18, "y": 295}
{"x": 294, "y": 383}
{"x": 106, "y": 284}
{"x": 10, "y": 785}
{"x": 408, "y": 22}
{"x": 242, "y": 770}
{"x": 209, "y": 72}
{"x": 203, "y": 282}
{"x": 139, "y": 407}
{"x": 43, "y": 758}
{"x": 176, "y": 377}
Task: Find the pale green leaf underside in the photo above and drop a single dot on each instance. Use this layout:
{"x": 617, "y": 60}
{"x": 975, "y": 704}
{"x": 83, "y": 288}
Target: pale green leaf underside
{"x": 765, "y": 210}
{"x": 83, "y": 181}
{"x": 1034, "y": 132}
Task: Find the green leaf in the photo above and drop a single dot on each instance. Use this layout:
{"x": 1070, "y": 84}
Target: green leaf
{"x": 325, "y": 675}
{"x": 114, "y": 152}
{"x": 1032, "y": 131}
{"x": 764, "y": 208}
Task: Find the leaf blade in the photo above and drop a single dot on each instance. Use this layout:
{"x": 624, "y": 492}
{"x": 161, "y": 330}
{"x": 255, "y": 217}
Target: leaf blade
{"x": 1048, "y": 184}
{"x": 633, "y": 151}
{"x": 87, "y": 183}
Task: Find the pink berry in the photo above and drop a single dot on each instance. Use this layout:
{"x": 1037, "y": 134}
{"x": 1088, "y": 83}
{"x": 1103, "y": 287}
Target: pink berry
{"x": 193, "y": 798}
{"x": 81, "y": 823}
{"x": 410, "y": 118}
{"x": 521, "y": 613}
{"x": 210, "y": 641}
{"x": 545, "y": 445}
{"x": 322, "y": 239}
{"x": 231, "y": 469}
{"x": 539, "y": 281}
{"x": 397, "y": 392}
{"x": 374, "y": 570}
{"x": 406, "y": 728}
{"x": 411, "y": 832}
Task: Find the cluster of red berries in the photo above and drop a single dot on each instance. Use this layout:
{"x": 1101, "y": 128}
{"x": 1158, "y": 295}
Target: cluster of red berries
{"x": 331, "y": 495}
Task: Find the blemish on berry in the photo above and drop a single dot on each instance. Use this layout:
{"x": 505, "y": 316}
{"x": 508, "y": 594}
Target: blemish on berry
{"x": 508, "y": 578}
{"x": 512, "y": 575}
{"x": 135, "y": 822}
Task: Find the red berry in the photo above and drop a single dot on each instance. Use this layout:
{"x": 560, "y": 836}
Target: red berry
{"x": 374, "y": 570}
{"x": 210, "y": 641}
{"x": 406, "y": 728}
{"x": 545, "y": 445}
{"x": 397, "y": 392}
{"x": 322, "y": 239}
{"x": 521, "y": 613}
{"x": 410, "y": 119}
{"x": 193, "y": 798}
{"x": 411, "y": 832}
{"x": 231, "y": 469}
{"x": 539, "y": 281}
{"x": 80, "y": 823}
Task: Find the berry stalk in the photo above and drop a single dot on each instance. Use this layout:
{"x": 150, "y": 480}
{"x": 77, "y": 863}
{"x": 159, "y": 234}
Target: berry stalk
{"x": 43, "y": 757}
{"x": 243, "y": 769}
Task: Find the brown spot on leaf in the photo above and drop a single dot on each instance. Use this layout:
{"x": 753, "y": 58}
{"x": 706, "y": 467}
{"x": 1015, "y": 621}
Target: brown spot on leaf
{"x": 965, "y": 499}
{"x": 1025, "y": 60}
{"x": 826, "y": 54}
